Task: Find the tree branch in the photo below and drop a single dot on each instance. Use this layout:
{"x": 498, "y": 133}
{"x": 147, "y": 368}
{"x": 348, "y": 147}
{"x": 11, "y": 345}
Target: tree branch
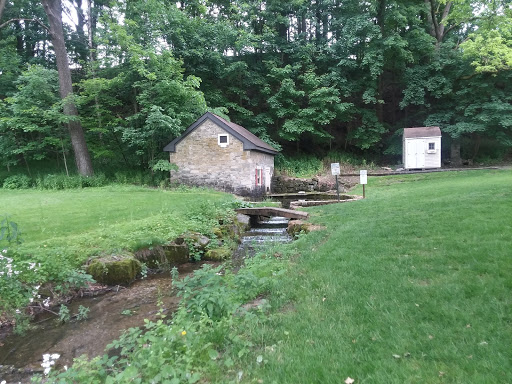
{"x": 22, "y": 19}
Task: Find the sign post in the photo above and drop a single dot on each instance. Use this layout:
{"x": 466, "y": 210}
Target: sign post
{"x": 363, "y": 179}
{"x": 335, "y": 170}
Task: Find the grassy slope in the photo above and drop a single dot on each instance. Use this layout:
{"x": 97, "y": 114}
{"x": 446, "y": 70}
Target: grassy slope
{"x": 421, "y": 269}
{"x": 83, "y": 222}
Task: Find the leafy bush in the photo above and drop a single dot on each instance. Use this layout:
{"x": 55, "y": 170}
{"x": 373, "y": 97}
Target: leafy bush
{"x": 303, "y": 166}
{"x": 345, "y": 158}
{"x": 62, "y": 181}
{"x": 17, "y": 182}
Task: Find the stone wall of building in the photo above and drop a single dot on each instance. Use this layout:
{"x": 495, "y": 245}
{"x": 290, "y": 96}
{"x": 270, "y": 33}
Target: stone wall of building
{"x": 202, "y": 161}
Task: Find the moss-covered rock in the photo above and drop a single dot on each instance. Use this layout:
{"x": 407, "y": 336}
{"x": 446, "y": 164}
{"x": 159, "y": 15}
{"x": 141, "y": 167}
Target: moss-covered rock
{"x": 115, "y": 269}
{"x": 172, "y": 254}
{"x": 218, "y": 233}
{"x": 297, "y": 226}
{"x": 176, "y": 253}
{"x": 218, "y": 254}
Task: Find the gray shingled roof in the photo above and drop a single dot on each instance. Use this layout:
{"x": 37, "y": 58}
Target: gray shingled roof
{"x": 250, "y": 141}
{"x": 421, "y": 132}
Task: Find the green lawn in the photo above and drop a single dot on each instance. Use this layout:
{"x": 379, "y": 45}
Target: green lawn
{"x": 82, "y": 222}
{"x": 411, "y": 285}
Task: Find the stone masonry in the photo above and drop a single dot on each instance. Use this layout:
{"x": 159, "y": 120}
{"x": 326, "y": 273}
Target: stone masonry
{"x": 202, "y": 161}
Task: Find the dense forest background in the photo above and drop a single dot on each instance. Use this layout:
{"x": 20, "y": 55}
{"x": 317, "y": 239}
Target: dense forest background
{"x": 109, "y": 83}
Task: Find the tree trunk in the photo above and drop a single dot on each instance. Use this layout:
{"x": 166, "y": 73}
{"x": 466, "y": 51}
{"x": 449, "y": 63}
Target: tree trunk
{"x": 2, "y": 7}
{"x": 455, "y": 153}
{"x": 437, "y": 27}
{"x": 53, "y": 9}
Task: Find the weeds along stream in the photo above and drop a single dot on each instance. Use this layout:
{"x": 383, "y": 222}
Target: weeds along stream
{"x": 109, "y": 315}
{"x": 21, "y": 356}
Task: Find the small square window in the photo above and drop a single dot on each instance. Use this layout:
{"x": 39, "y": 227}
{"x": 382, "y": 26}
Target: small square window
{"x": 431, "y": 146}
{"x": 223, "y": 140}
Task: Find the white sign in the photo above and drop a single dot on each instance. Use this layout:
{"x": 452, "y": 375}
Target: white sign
{"x": 363, "y": 177}
{"x": 335, "y": 169}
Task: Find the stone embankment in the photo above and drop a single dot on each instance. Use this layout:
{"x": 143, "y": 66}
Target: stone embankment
{"x": 124, "y": 267}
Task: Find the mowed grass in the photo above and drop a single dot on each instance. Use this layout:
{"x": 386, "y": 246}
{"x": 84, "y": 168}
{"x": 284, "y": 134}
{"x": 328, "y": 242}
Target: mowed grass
{"x": 75, "y": 224}
{"x": 411, "y": 285}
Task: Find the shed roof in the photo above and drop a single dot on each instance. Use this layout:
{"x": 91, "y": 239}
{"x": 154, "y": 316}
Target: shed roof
{"x": 422, "y": 132}
{"x": 249, "y": 140}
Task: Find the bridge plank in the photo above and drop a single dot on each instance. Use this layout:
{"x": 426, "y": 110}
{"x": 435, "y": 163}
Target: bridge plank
{"x": 273, "y": 211}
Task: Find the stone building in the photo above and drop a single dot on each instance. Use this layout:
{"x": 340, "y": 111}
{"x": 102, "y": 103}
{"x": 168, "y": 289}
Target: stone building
{"x": 220, "y": 154}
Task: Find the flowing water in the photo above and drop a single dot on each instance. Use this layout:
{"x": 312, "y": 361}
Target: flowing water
{"x": 111, "y": 313}
{"x": 262, "y": 233}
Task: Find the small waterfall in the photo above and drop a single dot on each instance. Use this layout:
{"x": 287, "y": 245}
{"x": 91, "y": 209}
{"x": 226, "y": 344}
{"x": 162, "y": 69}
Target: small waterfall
{"x": 261, "y": 234}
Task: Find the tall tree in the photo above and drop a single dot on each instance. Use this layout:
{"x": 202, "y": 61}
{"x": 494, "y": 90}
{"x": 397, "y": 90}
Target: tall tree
{"x": 53, "y": 9}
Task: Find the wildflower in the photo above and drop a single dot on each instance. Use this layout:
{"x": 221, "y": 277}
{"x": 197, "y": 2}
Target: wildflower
{"x": 48, "y": 361}
{"x": 183, "y": 333}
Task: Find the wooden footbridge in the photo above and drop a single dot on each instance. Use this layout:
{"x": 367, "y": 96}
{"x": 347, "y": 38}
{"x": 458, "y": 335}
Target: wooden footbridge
{"x": 273, "y": 211}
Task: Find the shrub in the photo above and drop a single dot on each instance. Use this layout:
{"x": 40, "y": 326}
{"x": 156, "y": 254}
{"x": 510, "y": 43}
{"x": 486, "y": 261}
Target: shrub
{"x": 62, "y": 181}
{"x": 17, "y": 182}
{"x": 303, "y": 166}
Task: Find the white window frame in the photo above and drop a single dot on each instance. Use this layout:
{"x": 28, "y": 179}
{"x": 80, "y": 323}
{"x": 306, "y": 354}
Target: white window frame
{"x": 223, "y": 145}
{"x": 434, "y": 150}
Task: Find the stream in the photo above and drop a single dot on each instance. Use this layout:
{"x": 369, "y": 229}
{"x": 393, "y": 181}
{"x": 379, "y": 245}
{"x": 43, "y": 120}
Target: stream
{"x": 111, "y": 313}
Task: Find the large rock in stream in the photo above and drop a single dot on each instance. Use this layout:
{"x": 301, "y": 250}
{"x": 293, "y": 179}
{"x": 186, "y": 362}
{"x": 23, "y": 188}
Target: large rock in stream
{"x": 171, "y": 255}
{"x": 114, "y": 269}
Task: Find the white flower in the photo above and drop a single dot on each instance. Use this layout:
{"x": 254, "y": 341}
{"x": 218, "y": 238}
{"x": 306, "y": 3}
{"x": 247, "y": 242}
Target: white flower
{"x": 55, "y": 356}
{"x": 47, "y": 370}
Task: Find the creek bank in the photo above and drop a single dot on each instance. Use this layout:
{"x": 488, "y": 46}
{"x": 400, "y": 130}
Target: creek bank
{"x": 124, "y": 267}
{"x": 113, "y": 312}
{"x": 110, "y": 314}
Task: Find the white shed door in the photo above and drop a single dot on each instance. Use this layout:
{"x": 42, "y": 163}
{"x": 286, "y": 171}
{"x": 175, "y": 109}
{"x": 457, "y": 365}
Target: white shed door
{"x": 416, "y": 154}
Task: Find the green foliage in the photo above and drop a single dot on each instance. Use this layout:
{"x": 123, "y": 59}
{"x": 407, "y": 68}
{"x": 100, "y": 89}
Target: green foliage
{"x": 17, "y": 182}
{"x": 303, "y": 166}
{"x": 188, "y": 348}
{"x": 164, "y": 166}
{"x": 205, "y": 293}
{"x": 83, "y": 313}
{"x": 64, "y": 314}
{"x": 315, "y": 76}
{"x": 63, "y": 181}
{"x": 9, "y": 231}
{"x": 30, "y": 123}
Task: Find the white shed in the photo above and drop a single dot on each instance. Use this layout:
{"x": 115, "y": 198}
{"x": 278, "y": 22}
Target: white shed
{"x": 422, "y": 148}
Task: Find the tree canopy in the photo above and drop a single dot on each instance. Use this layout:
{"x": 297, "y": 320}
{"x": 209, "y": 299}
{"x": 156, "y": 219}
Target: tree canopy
{"x": 306, "y": 76}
